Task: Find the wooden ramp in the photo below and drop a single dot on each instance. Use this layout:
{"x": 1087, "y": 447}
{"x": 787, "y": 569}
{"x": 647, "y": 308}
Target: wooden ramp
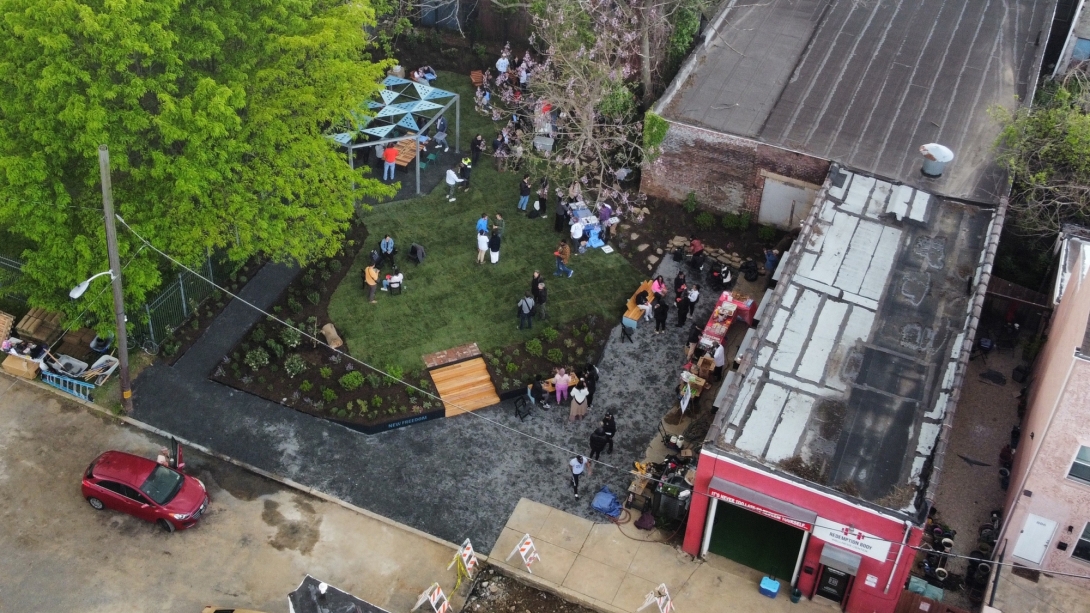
{"x": 465, "y": 384}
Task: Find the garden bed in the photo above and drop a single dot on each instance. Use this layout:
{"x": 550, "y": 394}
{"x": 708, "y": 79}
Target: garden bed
{"x": 571, "y": 346}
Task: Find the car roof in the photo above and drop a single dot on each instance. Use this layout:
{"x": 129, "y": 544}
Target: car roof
{"x": 123, "y": 467}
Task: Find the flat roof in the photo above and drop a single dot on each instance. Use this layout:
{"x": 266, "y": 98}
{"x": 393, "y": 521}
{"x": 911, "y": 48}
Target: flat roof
{"x": 1074, "y": 262}
{"x": 854, "y": 363}
{"x": 866, "y": 84}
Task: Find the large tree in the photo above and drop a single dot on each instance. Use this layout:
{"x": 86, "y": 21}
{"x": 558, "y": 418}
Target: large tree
{"x": 215, "y": 113}
{"x": 1046, "y": 150}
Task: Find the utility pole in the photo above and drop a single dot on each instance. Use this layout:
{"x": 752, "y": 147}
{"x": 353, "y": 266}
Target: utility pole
{"x": 115, "y": 269}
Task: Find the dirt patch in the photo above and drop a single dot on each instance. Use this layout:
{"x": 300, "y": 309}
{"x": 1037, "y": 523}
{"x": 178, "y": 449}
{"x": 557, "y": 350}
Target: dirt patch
{"x": 300, "y": 534}
{"x": 496, "y": 593}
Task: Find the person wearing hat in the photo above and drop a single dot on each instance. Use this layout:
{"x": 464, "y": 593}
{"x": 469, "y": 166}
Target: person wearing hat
{"x": 609, "y": 428}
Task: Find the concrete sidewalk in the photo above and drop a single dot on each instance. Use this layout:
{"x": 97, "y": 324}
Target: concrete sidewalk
{"x": 612, "y": 568}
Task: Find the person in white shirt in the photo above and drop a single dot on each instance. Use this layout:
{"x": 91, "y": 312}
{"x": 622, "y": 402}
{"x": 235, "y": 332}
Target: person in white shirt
{"x": 577, "y": 465}
{"x": 482, "y": 246}
{"x": 577, "y": 231}
{"x": 720, "y": 357}
{"x": 395, "y": 280}
{"x": 452, "y": 181}
{"x": 502, "y": 64}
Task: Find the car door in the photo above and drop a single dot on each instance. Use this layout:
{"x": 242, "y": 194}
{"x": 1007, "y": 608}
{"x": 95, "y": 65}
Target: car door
{"x": 141, "y": 506}
{"x": 109, "y": 492}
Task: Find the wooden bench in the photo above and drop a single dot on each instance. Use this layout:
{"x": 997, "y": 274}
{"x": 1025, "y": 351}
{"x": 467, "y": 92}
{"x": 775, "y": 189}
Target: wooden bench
{"x": 477, "y": 77}
{"x": 632, "y": 311}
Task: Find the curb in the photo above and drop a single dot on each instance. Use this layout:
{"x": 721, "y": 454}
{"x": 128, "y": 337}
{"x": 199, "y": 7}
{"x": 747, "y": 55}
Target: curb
{"x": 243, "y": 465}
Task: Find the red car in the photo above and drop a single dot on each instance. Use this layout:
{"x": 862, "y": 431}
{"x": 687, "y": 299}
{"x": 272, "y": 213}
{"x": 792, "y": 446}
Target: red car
{"x": 145, "y": 489}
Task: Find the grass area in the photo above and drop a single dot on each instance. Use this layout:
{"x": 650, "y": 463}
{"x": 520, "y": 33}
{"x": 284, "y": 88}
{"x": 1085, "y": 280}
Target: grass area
{"x": 450, "y": 300}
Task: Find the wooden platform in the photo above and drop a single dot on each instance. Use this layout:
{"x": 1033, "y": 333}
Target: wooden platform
{"x": 450, "y": 356}
{"x": 465, "y": 384}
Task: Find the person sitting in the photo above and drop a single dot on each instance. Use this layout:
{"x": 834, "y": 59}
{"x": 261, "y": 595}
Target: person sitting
{"x": 393, "y": 281}
{"x": 423, "y": 140}
{"x": 658, "y": 286}
{"x": 418, "y": 76}
{"x": 387, "y": 249}
{"x": 695, "y": 246}
{"x": 644, "y": 305}
{"x": 428, "y": 72}
{"x": 537, "y": 393}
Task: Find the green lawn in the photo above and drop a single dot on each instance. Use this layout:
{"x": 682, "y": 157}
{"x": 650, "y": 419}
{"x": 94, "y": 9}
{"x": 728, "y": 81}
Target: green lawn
{"x": 450, "y": 300}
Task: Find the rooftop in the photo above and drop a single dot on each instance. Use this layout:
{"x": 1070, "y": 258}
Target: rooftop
{"x": 866, "y": 84}
{"x": 854, "y": 365}
{"x": 307, "y": 599}
{"x": 1074, "y": 244}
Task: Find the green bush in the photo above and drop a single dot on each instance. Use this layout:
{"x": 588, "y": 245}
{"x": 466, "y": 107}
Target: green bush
{"x": 690, "y": 204}
{"x": 257, "y": 358}
{"x": 533, "y": 347}
{"x": 374, "y": 379}
{"x": 325, "y": 372}
{"x": 290, "y": 337}
{"x": 654, "y": 132}
{"x": 294, "y": 305}
{"x": 275, "y": 347}
{"x": 512, "y": 367}
{"x": 395, "y": 373}
{"x": 569, "y": 342}
{"x": 306, "y": 386}
{"x": 549, "y": 334}
{"x": 705, "y": 221}
{"x": 766, "y": 233}
{"x": 328, "y": 395}
{"x": 294, "y": 365}
{"x": 589, "y": 338}
{"x": 555, "y": 356}
{"x": 736, "y": 221}
{"x": 334, "y": 265}
{"x": 376, "y": 401}
{"x": 363, "y": 405}
{"x": 314, "y": 297}
{"x": 352, "y": 381}
{"x": 258, "y": 335}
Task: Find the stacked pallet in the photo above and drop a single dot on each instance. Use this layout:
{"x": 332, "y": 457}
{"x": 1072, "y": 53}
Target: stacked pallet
{"x": 40, "y": 326}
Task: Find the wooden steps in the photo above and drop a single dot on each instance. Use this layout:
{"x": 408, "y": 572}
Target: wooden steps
{"x": 465, "y": 384}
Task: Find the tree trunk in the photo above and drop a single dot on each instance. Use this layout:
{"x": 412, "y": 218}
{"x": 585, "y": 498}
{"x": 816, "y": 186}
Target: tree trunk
{"x": 645, "y": 58}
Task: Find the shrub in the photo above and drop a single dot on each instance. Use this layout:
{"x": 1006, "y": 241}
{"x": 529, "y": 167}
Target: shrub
{"x": 257, "y": 358}
{"x": 326, "y": 275}
{"x": 325, "y": 372}
{"x": 275, "y": 347}
{"x": 363, "y": 405}
{"x": 294, "y": 365}
{"x": 533, "y": 347}
{"x": 549, "y": 334}
{"x": 308, "y": 277}
{"x": 352, "y": 381}
{"x": 290, "y": 337}
{"x": 261, "y": 379}
{"x": 277, "y": 309}
{"x": 584, "y": 328}
{"x": 555, "y": 356}
{"x": 766, "y": 233}
{"x": 314, "y": 297}
{"x": 736, "y": 221}
{"x": 569, "y": 342}
{"x": 294, "y": 305}
{"x": 328, "y": 395}
{"x": 589, "y": 338}
{"x": 395, "y": 373}
{"x": 334, "y": 265}
{"x": 512, "y": 367}
{"x": 374, "y": 380}
{"x": 494, "y": 362}
{"x": 242, "y": 279}
{"x": 690, "y": 204}
{"x": 195, "y": 323}
{"x": 705, "y": 221}
{"x": 376, "y": 401}
{"x": 515, "y": 352}
{"x": 425, "y": 384}
{"x": 340, "y": 413}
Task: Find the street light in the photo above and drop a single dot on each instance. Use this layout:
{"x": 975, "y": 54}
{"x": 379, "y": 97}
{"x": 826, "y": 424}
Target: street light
{"x": 115, "y": 277}
{"x": 78, "y": 290}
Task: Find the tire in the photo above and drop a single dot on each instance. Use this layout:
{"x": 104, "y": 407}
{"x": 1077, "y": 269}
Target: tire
{"x": 95, "y": 503}
{"x": 166, "y": 526}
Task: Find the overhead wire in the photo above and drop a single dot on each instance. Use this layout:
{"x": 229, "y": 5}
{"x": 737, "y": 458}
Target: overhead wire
{"x": 502, "y": 426}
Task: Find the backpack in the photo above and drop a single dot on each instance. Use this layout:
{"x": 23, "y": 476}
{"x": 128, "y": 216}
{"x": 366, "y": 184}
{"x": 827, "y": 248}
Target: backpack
{"x": 375, "y": 257}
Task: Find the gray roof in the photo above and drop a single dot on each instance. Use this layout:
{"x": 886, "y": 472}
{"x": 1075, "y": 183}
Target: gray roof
{"x": 866, "y": 83}
{"x": 1074, "y": 262}
{"x": 855, "y": 361}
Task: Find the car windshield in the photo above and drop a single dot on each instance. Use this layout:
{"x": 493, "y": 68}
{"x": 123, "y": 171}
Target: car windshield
{"x": 162, "y": 485}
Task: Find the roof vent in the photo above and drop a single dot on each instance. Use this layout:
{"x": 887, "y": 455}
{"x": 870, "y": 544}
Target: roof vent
{"x": 935, "y": 159}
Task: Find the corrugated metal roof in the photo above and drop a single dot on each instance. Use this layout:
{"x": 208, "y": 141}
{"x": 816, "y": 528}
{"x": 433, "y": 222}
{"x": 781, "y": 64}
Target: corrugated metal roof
{"x": 867, "y": 83}
{"x": 853, "y": 372}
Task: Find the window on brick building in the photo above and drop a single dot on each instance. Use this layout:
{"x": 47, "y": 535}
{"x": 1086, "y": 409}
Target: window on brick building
{"x": 1080, "y": 468}
{"x": 1082, "y": 548}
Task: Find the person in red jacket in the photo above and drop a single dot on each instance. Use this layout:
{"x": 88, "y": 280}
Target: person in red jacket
{"x": 389, "y": 156}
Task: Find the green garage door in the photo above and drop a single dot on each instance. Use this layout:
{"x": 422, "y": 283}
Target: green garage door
{"x": 755, "y": 541}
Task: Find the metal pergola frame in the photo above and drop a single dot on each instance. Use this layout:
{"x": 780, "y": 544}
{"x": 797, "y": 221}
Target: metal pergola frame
{"x": 390, "y": 107}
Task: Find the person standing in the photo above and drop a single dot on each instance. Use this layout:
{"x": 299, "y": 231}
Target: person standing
{"x": 370, "y": 277}
{"x": 494, "y": 246}
{"x": 598, "y": 442}
{"x": 452, "y": 181}
{"x": 524, "y": 193}
{"x": 541, "y": 296}
{"x": 535, "y": 280}
{"x": 561, "y": 381}
{"x": 441, "y": 128}
{"x": 476, "y": 146}
{"x": 679, "y": 284}
{"x": 563, "y": 253}
{"x": 720, "y": 358}
{"x": 467, "y": 168}
{"x": 609, "y": 426}
{"x": 561, "y": 223}
{"x": 590, "y": 375}
{"x": 772, "y": 258}
{"x": 502, "y": 64}
{"x": 380, "y": 149}
{"x": 526, "y": 308}
{"x": 499, "y": 225}
{"x": 576, "y": 465}
{"x": 661, "y": 311}
{"x": 389, "y": 155}
{"x": 692, "y": 297}
{"x": 482, "y": 245}
{"x": 578, "y": 402}
{"x": 682, "y": 302}
{"x": 386, "y": 247}
{"x": 482, "y": 223}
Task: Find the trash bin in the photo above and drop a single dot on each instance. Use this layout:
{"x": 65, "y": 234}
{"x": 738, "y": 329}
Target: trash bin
{"x": 796, "y": 595}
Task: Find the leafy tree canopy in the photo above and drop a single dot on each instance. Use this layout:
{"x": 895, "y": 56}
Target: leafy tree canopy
{"x": 215, "y": 114}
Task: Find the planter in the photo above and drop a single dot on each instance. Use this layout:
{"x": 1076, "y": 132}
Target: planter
{"x": 512, "y": 394}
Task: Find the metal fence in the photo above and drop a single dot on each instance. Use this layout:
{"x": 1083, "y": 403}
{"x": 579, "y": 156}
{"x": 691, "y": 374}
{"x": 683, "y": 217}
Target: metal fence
{"x": 10, "y": 271}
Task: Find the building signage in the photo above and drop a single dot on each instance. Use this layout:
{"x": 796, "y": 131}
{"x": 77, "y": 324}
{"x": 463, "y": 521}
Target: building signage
{"x": 758, "y": 509}
{"x": 851, "y": 539}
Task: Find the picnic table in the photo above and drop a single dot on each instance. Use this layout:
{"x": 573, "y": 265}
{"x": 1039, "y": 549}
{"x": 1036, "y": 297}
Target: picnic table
{"x": 726, "y": 310}
{"x": 406, "y": 153}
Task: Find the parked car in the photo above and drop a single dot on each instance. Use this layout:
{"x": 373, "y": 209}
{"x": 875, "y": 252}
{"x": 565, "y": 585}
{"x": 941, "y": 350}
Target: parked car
{"x": 145, "y": 489}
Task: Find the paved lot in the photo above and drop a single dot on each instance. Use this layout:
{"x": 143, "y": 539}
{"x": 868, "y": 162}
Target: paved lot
{"x": 255, "y": 544}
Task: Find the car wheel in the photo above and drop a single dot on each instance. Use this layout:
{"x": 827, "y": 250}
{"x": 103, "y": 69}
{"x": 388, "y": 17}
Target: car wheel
{"x": 95, "y": 503}
{"x": 166, "y": 525}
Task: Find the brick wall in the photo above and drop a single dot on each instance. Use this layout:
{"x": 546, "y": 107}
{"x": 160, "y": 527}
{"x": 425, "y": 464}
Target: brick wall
{"x": 723, "y": 170}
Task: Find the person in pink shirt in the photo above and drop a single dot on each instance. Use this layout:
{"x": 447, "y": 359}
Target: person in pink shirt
{"x": 658, "y": 286}
{"x": 561, "y": 382}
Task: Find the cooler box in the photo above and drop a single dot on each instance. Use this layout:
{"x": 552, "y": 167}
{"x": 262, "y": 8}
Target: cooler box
{"x": 769, "y": 587}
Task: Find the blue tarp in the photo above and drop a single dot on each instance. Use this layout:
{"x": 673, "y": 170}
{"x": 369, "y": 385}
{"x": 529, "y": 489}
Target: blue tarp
{"x": 606, "y": 502}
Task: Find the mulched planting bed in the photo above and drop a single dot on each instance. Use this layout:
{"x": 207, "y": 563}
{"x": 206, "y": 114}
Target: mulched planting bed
{"x": 570, "y": 346}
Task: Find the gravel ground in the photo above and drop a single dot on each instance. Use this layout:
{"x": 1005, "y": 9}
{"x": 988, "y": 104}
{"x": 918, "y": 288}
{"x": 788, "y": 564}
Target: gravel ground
{"x": 968, "y": 493}
{"x": 496, "y": 593}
